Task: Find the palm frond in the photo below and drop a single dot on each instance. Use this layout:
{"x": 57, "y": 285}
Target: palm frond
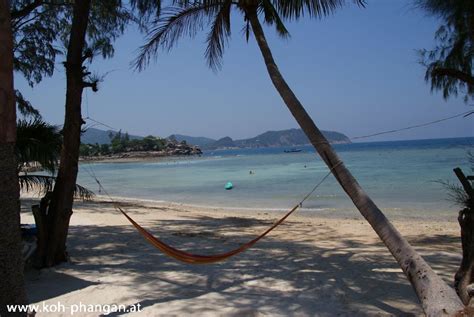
{"x": 218, "y": 36}
{"x": 174, "y": 23}
{"x": 38, "y": 141}
{"x": 187, "y": 17}
{"x": 45, "y": 183}
{"x": 40, "y": 183}
{"x": 293, "y": 10}
{"x": 246, "y": 30}
{"x": 271, "y": 17}
{"x": 82, "y": 192}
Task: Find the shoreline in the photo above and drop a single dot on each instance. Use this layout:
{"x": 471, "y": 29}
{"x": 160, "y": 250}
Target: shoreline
{"x": 393, "y": 214}
{"x": 165, "y": 158}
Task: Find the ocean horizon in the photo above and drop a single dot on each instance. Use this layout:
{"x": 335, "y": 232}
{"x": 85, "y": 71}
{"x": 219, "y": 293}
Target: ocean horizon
{"x": 402, "y": 177}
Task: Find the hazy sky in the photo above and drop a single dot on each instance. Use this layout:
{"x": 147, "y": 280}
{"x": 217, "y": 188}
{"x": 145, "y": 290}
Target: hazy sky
{"x": 356, "y": 72}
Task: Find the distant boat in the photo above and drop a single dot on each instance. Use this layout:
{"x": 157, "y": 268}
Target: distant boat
{"x": 293, "y": 151}
{"x": 229, "y": 186}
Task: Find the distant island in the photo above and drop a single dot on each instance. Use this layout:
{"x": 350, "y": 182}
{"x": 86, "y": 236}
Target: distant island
{"x": 290, "y": 138}
{"x": 97, "y": 144}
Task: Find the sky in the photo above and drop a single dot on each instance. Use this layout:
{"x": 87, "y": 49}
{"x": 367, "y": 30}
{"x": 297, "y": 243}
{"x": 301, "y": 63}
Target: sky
{"x": 355, "y": 72}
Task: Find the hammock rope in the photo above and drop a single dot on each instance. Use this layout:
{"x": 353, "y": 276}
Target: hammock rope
{"x": 191, "y": 258}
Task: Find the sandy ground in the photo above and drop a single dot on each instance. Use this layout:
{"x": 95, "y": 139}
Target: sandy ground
{"x": 309, "y": 266}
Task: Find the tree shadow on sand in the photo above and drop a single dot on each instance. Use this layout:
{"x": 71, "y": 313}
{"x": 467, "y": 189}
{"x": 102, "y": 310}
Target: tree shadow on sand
{"x": 277, "y": 276}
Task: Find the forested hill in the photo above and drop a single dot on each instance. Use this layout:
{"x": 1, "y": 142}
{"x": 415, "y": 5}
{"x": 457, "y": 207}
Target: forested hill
{"x": 194, "y": 140}
{"x": 290, "y": 138}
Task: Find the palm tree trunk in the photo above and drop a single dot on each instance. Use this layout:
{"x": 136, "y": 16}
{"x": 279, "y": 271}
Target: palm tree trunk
{"x": 12, "y": 288}
{"x": 60, "y": 209}
{"x": 437, "y": 298}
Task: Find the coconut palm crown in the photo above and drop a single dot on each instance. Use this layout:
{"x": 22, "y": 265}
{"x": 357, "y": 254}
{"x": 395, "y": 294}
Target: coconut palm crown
{"x": 186, "y": 18}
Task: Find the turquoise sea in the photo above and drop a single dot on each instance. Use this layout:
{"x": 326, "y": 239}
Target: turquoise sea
{"x": 400, "y": 176}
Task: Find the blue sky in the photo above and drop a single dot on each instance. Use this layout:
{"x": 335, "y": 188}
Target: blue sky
{"x": 355, "y": 72}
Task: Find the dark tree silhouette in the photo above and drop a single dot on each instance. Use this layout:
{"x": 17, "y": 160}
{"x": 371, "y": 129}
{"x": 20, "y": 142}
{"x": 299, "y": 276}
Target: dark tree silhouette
{"x": 12, "y": 288}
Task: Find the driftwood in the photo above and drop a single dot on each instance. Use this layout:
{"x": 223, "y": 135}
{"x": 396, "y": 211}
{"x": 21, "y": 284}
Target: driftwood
{"x": 464, "y": 278}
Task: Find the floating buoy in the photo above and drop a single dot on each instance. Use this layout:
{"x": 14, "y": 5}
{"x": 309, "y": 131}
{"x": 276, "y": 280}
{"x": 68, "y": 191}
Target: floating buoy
{"x": 228, "y": 186}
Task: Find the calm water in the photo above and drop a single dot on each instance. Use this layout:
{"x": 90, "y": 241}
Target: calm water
{"x": 400, "y": 176}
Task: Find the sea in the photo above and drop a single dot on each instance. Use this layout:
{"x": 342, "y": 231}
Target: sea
{"x": 402, "y": 177}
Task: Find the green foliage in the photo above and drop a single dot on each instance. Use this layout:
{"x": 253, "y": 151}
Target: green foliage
{"x": 35, "y": 34}
{"x": 146, "y": 10}
{"x": 94, "y": 149}
{"x": 25, "y": 107}
{"x": 449, "y": 66}
{"x": 85, "y": 150}
{"x": 186, "y": 18}
{"x": 151, "y": 143}
{"x": 456, "y": 193}
{"x": 41, "y": 28}
{"x": 107, "y": 22}
{"x": 122, "y": 143}
{"x": 38, "y": 141}
{"x": 104, "y": 149}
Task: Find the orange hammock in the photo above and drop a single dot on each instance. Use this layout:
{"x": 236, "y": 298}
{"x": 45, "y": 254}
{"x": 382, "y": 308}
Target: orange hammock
{"x": 207, "y": 259}
{"x": 197, "y": 258}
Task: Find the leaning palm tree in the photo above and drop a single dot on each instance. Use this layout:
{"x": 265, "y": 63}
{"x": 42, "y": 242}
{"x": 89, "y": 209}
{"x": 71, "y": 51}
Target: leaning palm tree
{"x": 186, "y": 19}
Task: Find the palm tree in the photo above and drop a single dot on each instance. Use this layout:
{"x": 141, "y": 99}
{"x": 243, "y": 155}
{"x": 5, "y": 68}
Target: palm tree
{"x": 12, "y": 289}
{"x": 40, "y": 142}
{"x": 186, "y": 18}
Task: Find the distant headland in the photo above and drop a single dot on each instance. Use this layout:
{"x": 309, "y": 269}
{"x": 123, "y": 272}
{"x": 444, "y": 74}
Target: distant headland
{"x": 281, "y": 138}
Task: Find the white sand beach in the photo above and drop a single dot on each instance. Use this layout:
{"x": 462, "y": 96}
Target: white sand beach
{"x": 309, "y": 266}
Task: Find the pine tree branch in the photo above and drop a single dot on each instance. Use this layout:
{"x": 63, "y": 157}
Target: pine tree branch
{"x": 454, "y": 73}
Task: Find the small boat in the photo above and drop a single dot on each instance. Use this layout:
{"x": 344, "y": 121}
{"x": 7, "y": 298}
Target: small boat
{"x": 228, "y": 186}
{"x": 293, "y": 151}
